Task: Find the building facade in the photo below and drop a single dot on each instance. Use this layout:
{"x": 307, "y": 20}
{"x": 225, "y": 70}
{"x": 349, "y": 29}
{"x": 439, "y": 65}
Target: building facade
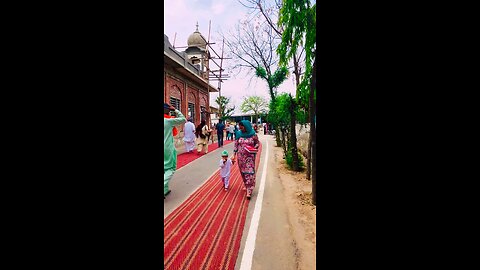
{"x": 185, "y": 80}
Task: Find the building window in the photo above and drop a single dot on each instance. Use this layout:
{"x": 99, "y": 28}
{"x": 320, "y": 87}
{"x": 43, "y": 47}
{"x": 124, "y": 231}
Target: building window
{"x": 203, "y": 114}
{"x": 195, "y": 60}
{"x": 191, "y": 111}
{"x": 175, "y": 102}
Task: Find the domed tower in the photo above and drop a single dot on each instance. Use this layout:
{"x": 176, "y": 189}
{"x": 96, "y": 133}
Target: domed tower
{"x": 197, "y": 52}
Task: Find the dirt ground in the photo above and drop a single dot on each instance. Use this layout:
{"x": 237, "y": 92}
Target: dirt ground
{"x": 302, "y": 214}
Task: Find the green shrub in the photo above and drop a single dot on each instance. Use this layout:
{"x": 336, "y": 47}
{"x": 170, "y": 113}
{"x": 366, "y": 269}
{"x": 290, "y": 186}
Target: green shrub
{"x": 289, "y": 160}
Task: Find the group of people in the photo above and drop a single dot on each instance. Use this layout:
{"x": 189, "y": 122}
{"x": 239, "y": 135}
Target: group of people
{"x": 230, "y": 129}
{"x": 244, "y": 153}
{"x": 268, "y": 129}
{"x": 196, "y": 137}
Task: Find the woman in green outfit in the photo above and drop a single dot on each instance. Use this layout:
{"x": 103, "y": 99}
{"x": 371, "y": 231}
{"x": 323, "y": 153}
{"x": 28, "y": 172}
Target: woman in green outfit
{"x": 169, "y": 152}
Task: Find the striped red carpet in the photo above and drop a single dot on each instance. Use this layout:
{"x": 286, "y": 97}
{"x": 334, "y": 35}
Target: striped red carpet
{"x": 205, "y": 231}
{"x": 185, "y": 158}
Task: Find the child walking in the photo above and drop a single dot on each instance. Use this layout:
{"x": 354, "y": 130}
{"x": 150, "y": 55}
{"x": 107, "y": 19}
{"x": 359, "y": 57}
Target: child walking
{"x": 225, "y": 166}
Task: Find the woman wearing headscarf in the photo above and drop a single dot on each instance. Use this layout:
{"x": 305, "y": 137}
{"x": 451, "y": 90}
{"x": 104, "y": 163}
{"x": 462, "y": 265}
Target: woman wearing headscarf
{"x": 245, "y": 139}
{"x": 202, "y": 140}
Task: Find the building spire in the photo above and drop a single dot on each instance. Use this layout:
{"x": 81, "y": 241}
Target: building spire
{"x": 197, "y": 27}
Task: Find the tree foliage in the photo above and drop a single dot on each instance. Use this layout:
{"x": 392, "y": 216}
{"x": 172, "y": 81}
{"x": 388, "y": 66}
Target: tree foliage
{"x": 270, "y": 10}
{"x": 253, "y": 45}
{"x": 225, "y": 110}
{"x": 279, "y": 112}
{"x": 273, "y": 80}
{"x": 255, "y": 104}
{"x": 298, "y": 20}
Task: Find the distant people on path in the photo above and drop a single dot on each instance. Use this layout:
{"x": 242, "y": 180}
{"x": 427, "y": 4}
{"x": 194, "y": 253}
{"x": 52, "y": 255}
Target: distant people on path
{"x": 231, "y": 130}
{"x": 225, "y": 167}
{"x": 245, "y": 156}
{"x": 189, "y": 136}
{"x": 271, "y": 129}
{"x": 169, "y": 151}
{"x": 201, "y": 132}
{"x": 229, "y": 134}
{"x": 220, "y": 127}
{"x": 265, "y": 129}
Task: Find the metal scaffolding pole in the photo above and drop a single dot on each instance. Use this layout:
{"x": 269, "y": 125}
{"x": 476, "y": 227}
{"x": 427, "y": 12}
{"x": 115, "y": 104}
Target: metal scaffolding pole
{"x": 213, "y": 74}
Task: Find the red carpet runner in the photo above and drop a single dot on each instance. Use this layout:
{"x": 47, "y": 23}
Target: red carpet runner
{"x": 185, "y": 158}
{"x": 205, "y": 231}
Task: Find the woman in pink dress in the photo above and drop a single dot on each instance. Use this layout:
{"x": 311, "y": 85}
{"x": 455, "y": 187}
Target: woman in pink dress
{"x": 246, "y": 138}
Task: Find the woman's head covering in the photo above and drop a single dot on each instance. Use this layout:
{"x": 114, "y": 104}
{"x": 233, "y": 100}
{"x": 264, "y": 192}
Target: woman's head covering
{"x": 249, "y": 132}
{"x": 198, "y": 129}
{"x": 201, "y": 125}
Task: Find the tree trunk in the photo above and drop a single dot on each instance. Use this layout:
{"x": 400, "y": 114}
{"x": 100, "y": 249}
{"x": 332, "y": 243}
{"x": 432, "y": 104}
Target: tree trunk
{"x": 309, "y": 154}
{"x": 277, "y": 136}
{"x": 296, "y": 71}
{"x": 293, "y": 136}
{"x": 313, "y": 131}
{"x": 284, "y": 141}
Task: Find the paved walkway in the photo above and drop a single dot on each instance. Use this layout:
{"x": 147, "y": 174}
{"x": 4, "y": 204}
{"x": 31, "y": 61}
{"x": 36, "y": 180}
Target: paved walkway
{"x": 261, "y": 229}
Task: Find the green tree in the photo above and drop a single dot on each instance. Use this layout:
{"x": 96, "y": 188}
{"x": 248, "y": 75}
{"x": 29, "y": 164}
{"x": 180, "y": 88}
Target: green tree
{"x": 224, "y": 110}
{"x": 255, "y": 104}
{"x": 280, "y": 117}
{"x": 273, "y": 81}
{"x": 270, "y": 11}
{"x": 253, "y": 45}
{"x": 298, "y": 19}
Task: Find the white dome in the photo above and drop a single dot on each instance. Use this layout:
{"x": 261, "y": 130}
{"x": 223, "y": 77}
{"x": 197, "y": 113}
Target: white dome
{"x": 196, "y": 39}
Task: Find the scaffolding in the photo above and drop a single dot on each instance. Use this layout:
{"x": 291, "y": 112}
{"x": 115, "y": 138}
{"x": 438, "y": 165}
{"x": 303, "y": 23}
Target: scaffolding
{"x": 217, "y": 73}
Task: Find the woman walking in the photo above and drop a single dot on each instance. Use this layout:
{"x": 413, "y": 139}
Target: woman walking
{"x": 246, "y": 145}
{"x": 201, "y": 132}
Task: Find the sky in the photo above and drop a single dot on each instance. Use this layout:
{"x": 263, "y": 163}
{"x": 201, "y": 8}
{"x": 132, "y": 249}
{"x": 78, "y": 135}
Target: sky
{"x": 181, "y": 17}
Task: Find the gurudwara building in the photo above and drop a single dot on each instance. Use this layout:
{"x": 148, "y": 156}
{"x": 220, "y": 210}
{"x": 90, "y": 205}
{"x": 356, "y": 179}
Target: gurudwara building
{"x": 185, "y": 80}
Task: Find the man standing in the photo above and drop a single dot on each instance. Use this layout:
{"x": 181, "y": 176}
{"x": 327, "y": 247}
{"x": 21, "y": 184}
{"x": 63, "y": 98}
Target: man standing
{"x": 227, "y": 131}
{"x": 220, "y": 127}
{"x": 231, "y": 130}
{"x": 234, "y": 131}
{"x": 169, "y": 152}
{"x": 189, "y": 135}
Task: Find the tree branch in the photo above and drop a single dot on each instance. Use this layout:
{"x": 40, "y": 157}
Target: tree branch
{"x": 269, "y": 21}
